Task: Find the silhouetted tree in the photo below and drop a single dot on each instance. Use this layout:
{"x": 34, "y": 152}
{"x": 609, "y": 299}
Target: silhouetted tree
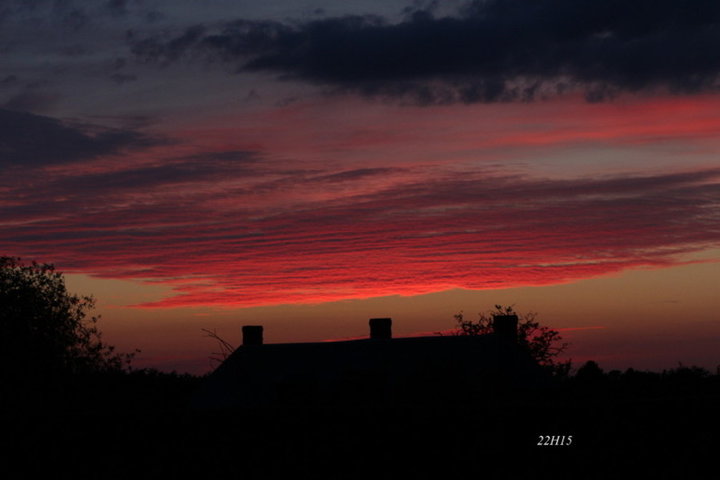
{"x": 225, "y": 348}
{"x": 543, "y": 343}
{"x": 589, "y": 372}
{"x": 45, "y": 331}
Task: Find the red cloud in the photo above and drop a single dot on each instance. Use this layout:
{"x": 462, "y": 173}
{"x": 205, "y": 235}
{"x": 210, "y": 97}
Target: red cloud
{"x": 238, "y": 227}
{"x": 469, "y": 231}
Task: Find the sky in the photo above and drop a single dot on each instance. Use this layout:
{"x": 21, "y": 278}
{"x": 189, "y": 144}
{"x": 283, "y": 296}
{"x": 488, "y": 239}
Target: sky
{"x": 307, "y": 165}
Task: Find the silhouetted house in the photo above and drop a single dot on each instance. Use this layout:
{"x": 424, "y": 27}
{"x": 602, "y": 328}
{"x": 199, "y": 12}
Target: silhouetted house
{"x": 380, "y": 369}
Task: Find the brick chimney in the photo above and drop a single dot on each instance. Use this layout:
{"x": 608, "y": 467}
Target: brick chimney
{"x": 252, "y": 335}
{"x": 506, "y": 326}
{"x": 381, "y": 328}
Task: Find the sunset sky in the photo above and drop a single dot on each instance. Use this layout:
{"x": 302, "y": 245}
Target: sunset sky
{"x": 306, "y": 165}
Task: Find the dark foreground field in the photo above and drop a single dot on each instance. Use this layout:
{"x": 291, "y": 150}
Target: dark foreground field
{"x": 140, "y": 426}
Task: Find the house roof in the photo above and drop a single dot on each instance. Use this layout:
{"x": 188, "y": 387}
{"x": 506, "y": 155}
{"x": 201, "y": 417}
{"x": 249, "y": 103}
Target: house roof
{"x": 375, "y": 369}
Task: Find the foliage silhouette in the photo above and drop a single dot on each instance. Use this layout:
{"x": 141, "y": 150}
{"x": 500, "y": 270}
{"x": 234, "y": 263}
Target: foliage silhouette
{"x": 543, "y": 343}
{"x": 589, "y": 372}
{"x": 46, "y": 332}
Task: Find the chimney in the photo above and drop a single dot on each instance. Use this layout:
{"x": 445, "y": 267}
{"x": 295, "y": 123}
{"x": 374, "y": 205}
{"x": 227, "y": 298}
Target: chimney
{"x": 252, "y": 335}
{"x": 505, "y": 326}
{"x": 381, "y": 328}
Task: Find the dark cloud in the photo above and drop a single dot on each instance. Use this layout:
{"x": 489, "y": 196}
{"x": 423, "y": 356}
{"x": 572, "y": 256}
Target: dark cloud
{"x": 31, "y": 101}
{"x": 232, "y": 157}
{"x": 176, "y": 184}
{"x": 119, "y": 63}
{"x": 492, "y": 50}
{"x": 126, "y": 122}
{"x": 75, "y": 19}
{"x": 76, "y": 50}
{"x": 357, "y": 174}
{"x": 121, "y": 78}
{"x": 193, "y": 169}
{"x": 117, "y": 7}
{"x": 166, "y": 51}
{"x": 154, "y": 16}
{"x": 9, "y": 80}
{"x": 29, "y": 140}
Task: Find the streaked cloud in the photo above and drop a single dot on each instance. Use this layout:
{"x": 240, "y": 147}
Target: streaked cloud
{"x": 474, "y": 230}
